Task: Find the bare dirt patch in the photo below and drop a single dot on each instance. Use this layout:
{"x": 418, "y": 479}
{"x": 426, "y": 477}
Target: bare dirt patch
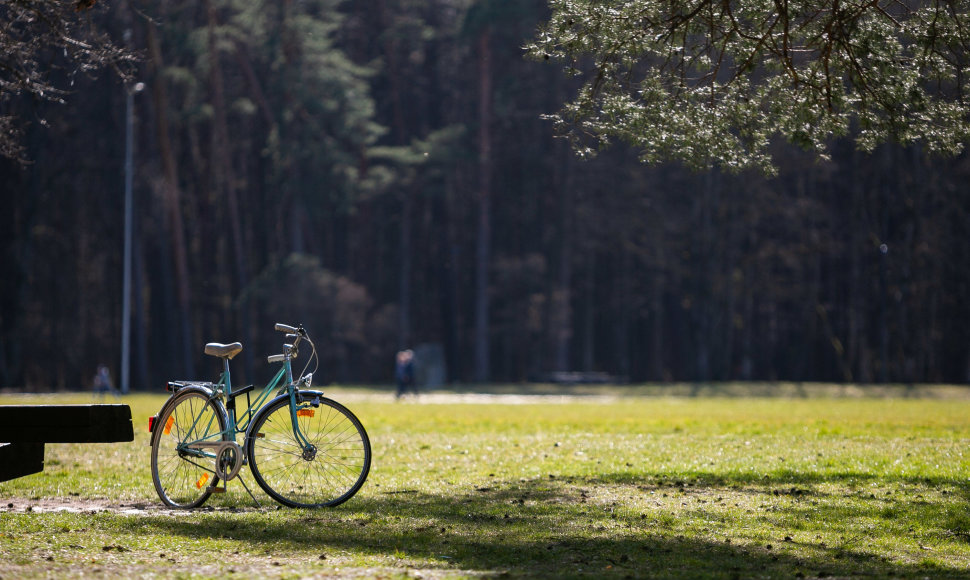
{"x": 93, "y": 506}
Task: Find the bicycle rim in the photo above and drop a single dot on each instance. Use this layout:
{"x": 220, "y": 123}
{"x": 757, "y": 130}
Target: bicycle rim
{"x": 183, "y": 480}
{"x": 327, "y": 474}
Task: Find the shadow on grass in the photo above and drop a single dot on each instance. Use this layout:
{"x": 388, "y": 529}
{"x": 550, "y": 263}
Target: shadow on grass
{"x": 782, "y": 477}
{"x": 539, "y": 528}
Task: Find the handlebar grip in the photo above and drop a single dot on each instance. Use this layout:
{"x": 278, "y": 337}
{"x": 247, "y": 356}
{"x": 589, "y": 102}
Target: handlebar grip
{"x": 275, "y": 358}
{"x": 286, "y": 328}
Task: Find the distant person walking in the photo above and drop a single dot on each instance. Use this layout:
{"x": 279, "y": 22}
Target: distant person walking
{"x": 102, "y": 382}
{"x": 404, "y": 373}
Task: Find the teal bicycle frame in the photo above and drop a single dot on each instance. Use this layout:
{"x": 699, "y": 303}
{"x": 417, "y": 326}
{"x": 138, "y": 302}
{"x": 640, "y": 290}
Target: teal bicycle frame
{"x": 221, "y": 439}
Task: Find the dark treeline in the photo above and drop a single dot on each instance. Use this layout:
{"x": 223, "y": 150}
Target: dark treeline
{"x": 380, "y": 172}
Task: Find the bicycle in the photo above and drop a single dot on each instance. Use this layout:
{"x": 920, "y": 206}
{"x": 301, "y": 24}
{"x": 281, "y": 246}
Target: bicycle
{"x": 303, "y": 449}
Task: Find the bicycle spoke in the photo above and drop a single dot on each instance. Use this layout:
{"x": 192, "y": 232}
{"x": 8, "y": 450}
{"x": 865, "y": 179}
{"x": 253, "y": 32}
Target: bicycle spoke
{"x": 327, "y": 472}
{"x": 185, "y": 477}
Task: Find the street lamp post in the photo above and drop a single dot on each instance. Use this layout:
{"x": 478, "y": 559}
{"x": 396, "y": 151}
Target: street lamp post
{"x": 129, "y": 212}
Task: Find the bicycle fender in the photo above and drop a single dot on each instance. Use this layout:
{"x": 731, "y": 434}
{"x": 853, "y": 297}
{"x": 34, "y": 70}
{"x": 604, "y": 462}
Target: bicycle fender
{"x": 304, "y": 396}
{"x": 311, "y": 395}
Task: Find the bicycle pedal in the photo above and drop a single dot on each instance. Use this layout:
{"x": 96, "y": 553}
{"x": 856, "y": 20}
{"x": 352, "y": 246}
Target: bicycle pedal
{"x": 214, "y": 489}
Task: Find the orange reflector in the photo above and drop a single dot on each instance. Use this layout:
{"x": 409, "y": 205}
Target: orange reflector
{"x": 202, "y": 480}
{"x": 168, "y": 424}
{"x": 304, "y": 413}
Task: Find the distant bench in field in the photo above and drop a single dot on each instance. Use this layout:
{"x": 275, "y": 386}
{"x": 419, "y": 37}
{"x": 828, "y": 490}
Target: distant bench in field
{"x": 575, "y": 378}
{"x": 24, "y": 429}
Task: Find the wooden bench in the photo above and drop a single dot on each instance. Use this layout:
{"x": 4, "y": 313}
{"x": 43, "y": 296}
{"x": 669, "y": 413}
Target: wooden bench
{"x": 24, "y": 429}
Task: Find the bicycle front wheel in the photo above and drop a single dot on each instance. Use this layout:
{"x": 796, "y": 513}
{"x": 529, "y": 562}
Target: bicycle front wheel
{"x": 184, "y": 477}
{"x": 325, "y": 470}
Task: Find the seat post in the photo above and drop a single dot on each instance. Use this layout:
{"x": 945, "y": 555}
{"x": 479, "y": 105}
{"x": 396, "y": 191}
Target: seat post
{"x": 225, "y": 370}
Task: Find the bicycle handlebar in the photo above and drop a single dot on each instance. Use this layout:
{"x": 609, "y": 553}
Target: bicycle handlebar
{"x": 296, "y": 335}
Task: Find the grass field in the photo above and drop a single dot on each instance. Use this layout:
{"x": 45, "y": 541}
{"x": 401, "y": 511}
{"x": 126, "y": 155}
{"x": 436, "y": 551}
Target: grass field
{"x": 666, "y": 486}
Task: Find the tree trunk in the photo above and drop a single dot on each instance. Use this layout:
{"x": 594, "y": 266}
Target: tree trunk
{"x": 447, "y": 287}
{"x": 173, "y": 209}
{"x": 704, "y": 310}
{"x": 562, "y": 294}
{"x": 656, "y": 371}
{"x": 484, "y": 238}
{"x": 399, "y": 129}
{"x": 589, "y": 313}
{"x": 857, "y": 227}
{"x": 446, "y": 255}
{"x": 404, "y": 290}
{"x": 142, "y": 376}
{"x": 623, "y": 312}
{"x": 225, "y": 184}
{"x": 883, "y": 270}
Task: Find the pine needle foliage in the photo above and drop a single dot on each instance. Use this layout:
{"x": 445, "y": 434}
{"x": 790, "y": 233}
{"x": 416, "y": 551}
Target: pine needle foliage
{"x": 710, "y": 82}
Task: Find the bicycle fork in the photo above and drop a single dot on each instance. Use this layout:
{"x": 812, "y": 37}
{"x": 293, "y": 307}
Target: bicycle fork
{"x": 296, "y": 411}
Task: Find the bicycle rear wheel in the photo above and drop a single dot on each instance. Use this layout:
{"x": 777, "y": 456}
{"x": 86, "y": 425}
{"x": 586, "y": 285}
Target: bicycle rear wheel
{"x": 183, "y": 478}
{"x": 326, "y": 473}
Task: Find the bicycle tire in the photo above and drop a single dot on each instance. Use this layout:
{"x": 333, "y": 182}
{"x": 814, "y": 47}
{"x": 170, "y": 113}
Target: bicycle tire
{"x": 183, "y": 481}
{"x": 328, "y": 475}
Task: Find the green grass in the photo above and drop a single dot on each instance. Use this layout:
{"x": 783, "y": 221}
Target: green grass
{"x": 628, "y": 486}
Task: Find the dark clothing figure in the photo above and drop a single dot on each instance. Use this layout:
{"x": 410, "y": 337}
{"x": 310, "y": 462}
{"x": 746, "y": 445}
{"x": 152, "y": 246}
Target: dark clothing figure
{"x": 102, "y": 381}
{"x": 404, "y": 373}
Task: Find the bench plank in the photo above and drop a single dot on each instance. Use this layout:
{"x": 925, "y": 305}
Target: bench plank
{"x": 20, "y": 459}
{"x": 65, "y": 424}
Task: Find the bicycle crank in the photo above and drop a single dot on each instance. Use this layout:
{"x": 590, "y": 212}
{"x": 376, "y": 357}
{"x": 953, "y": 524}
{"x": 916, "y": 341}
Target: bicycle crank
{"x": 229, "y": 457}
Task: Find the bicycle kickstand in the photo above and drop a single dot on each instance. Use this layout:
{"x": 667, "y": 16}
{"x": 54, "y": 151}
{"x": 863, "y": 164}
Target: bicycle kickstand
{"x": 246, "y": 487}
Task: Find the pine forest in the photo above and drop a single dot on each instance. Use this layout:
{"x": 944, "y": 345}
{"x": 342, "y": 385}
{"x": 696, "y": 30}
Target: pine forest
{"x": 385, "y": 173}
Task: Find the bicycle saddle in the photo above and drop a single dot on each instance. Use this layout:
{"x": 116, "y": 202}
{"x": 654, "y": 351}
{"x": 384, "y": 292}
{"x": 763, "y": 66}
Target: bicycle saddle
{"x": 223, "y": 350}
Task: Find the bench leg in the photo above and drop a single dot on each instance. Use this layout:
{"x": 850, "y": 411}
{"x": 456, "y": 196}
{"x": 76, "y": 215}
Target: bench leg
{"x": 20, "y": 459}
